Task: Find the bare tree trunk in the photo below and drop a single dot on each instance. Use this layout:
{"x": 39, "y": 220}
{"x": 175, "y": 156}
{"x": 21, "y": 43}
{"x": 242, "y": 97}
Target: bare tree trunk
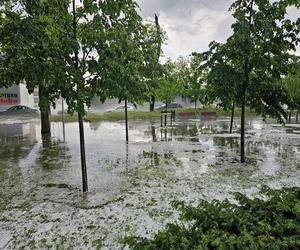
{"x": 80, "y": 119}
{"x": 297, "y": 116}
{"x": 290, "y": 117}
{"x": 232, "y": 117}
{"x": 46, "y": 140}
{"x": 159, "y": 41}
{"x": 126, "y": 119}
{"x": 195, "y": 104}
{"x": 44, "y": 109}
{"x": 245, "y": 84}
{"x": 242, "y": 145}
{"x": 63, "y": 118}
{"x": 82, "y": 152}
{"x": 152, "y": 103}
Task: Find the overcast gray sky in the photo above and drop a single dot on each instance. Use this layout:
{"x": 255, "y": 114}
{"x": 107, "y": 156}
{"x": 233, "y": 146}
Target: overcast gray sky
{"x": 191, "y": 24}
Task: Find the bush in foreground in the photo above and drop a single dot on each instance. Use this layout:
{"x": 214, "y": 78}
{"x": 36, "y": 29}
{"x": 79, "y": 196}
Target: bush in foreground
{"x": 272, "y": 222}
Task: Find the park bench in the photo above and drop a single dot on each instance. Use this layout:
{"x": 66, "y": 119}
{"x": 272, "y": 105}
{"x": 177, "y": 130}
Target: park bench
{"x": 187, "y": 114}
{"x": 208, "y": 114}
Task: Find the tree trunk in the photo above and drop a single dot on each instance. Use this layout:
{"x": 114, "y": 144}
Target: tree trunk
{"x": 158, "y": 38}
{"x": 195, "y": 104}
{"x": 242, "y": 146}
{"x": 290, "y": 117}
{"x": 82, "y": 152}
{"x": 44, "y": 109}
{"x": 152, "y": 103}
{"x": 243, "y": 103}
{"x": 245, "y": 84}
{"x": 63, "y": 119}
{"x": 232, "y": 117}
{"x": 153, "y": 133}
{"x": 297, "y": 116}
{"x": 80, "y": 119}
{"x": 126, "y": 119}
{"x": 46, "y": 140}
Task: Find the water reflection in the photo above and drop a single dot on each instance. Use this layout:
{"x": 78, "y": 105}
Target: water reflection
{"x": 186, "y": 130}
{"x": 153, "y": 156}
{"x": 229, "y": 142}
{"x": 94, "y": 125}
{"x": 16, "y": 143}
{"x": 16, "y": 140}
{"x": 190, "y": 160}
{"x": 52, "y": 154}
{"x": 153, "y": 131}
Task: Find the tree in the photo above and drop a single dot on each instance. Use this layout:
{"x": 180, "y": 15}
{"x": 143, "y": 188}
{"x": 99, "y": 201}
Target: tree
{"x": 124, "y": 61}
{"x": 169, "y": 85}
{"x": 10, "y": 23}
{"x": 260, "y": 52}
{"x": 292, "y": 86}
{"x": 156, "y": 40}
{"x": 194, "y": 86}
{"x": 30, "y": 49}
{"x": 223, "y": 77}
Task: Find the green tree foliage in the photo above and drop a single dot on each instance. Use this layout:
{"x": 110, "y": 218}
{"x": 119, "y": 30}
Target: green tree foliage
{"x": 95, "y": 47}
{"x": 125, "y": 54}
{"x": 292, "y": 85}
{"x": 106, "y": 58}
{"x": 268, "y": 48}
{"x": 195, "y": 85}
{"x": 31, "y": 48}
{"x": 271, "y": 223}
{"x": 10, "y": 23}
{"x": 125, "y": 58}
{"x": 224, "y": 76}
{"x": 253, "y": 60}
{"x": 171, "y": 83}
{"x": 155, "y": 38}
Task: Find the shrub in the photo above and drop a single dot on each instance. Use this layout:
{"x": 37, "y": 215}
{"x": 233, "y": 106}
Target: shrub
{"x": 270, "y": 222}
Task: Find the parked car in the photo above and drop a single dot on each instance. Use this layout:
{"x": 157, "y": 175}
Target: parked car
{"x": 172, "y": 105}
{"x": 121, "y": 108}
{"x": 19, "y": 110}
{"x": 60, "y": 112}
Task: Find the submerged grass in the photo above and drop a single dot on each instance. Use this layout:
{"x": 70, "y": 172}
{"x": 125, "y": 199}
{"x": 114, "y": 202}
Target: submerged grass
{"x": 144, "y": 115}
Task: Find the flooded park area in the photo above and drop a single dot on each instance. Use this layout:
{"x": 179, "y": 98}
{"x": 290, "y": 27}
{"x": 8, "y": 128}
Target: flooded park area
{"x": 131, "y": 186}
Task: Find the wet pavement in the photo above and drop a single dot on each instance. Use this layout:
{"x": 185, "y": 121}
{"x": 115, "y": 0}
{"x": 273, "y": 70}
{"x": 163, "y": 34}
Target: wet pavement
{"x": 131, "y": 186}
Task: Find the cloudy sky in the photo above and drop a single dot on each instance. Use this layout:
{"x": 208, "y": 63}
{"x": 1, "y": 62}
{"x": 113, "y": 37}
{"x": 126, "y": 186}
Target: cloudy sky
{"x": 191, "y": 24}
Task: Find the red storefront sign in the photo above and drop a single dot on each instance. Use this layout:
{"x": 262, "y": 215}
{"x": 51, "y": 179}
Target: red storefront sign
{"x": 4, "y": 101}
{"x": 8, "y": 99}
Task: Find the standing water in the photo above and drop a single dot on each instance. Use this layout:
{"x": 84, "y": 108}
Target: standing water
{"x": 131, "y": 186}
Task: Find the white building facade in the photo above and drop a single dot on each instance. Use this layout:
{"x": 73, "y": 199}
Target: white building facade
{"x": 15, "y": 95}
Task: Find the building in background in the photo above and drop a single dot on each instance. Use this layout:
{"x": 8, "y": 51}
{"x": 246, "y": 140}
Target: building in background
{"x": 16, "y": 95}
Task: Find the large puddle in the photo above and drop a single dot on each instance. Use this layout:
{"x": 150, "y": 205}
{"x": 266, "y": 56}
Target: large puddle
{"x": 131, "y": 186}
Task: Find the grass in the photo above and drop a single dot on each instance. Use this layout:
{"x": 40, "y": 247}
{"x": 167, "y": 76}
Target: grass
{"x": 142, "y": 115}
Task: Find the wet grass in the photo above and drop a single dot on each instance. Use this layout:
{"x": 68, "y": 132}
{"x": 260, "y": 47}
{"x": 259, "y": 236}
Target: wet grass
{"x": 145, "y": 115}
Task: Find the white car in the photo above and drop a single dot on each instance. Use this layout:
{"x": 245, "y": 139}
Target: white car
{"x": 121, "y": 108}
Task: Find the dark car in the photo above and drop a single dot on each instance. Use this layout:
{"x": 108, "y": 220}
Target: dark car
{"x": 60, "y": 112}
{"x": 19, "y": 110}
{"x": 172, "y": 105}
